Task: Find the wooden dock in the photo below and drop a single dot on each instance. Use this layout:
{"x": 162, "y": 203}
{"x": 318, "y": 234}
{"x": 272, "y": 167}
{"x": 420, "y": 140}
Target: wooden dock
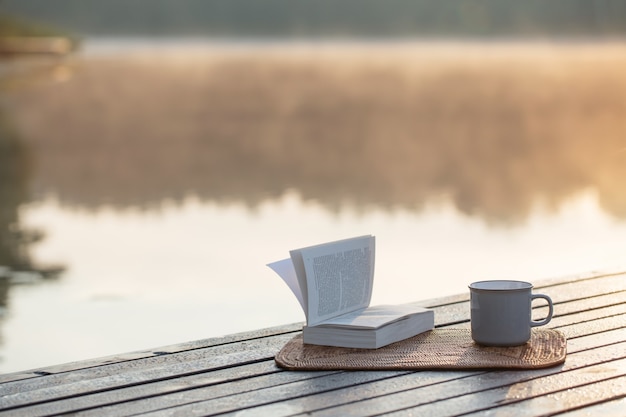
{"x": 236, "y": 375}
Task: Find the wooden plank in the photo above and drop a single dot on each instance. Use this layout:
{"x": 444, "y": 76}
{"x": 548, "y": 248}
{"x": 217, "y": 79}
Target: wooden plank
{"x": 186, "y": 363}
{"x": 202, "y": 395}
{"x": 151, "y": 353}
{"x": 180, "y": 367}
{"x": 215, "y": 384}
{"x": 573, "y": 331}
{"x": 192, "y": 373}
{"x": 614, "y": 408}
{"x": 570, "y": 380}
{"x": 307, "y": 396}
{"x": 550, "y": 400}
{"x": 587, "y": 315}
{"x": 451, "y": 316}
{"x": 595, "y": 284}
{"x": 143, "y": 395}
{"x": 595, "y": 341}
{"x": 475, "y": 392}
{"x": 342, "y": 383}
{"x": 140, "y": 375}
{"x": 377, "y": 398}
{"x": 586, "y": 304}
{"x": 141, "y": 371}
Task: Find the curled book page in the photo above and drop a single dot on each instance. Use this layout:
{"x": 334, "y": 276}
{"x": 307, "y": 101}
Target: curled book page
{"x": 284, "y": 268}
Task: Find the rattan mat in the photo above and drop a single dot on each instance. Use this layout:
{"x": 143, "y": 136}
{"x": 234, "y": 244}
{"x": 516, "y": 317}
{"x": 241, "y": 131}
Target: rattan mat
{"x": 436, "y": 349}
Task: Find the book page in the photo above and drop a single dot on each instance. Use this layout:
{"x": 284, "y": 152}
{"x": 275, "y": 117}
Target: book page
{"x": 298, "y": 266}
{"x": 287, "y": 272}
{"x": 339, "y": 277}
{"x": 374, "y": 317}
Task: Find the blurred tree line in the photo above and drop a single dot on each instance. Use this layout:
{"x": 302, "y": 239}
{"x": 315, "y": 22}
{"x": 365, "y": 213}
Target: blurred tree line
{"x": 369, "y": 18}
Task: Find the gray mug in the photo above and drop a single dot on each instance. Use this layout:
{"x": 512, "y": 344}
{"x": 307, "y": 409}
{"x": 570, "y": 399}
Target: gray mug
{"x": 501, "y": 312}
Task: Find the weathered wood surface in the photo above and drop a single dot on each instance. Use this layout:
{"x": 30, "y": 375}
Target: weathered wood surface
{"x": 236, "y": 375}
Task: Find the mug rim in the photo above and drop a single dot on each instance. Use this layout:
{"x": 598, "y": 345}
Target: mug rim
{"x": 500, "y": 285}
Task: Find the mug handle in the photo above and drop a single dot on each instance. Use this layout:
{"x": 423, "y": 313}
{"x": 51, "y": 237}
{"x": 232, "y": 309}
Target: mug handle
{"x": 545, "y": 321}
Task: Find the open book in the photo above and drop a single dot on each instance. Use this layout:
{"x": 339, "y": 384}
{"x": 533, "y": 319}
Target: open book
{"x": 333, "y": 283}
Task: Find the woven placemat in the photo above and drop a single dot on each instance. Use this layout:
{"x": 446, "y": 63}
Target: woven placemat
{"x": 436, "y": 349}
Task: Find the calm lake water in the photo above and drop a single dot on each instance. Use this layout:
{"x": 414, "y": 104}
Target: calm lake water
{"x": 161, "y": 177}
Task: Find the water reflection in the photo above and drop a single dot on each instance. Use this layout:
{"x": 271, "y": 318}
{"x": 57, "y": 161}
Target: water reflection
{"x": 16, "y": 168}
{"x": 491, "y": 129}
{"x": 156, "y": 172}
